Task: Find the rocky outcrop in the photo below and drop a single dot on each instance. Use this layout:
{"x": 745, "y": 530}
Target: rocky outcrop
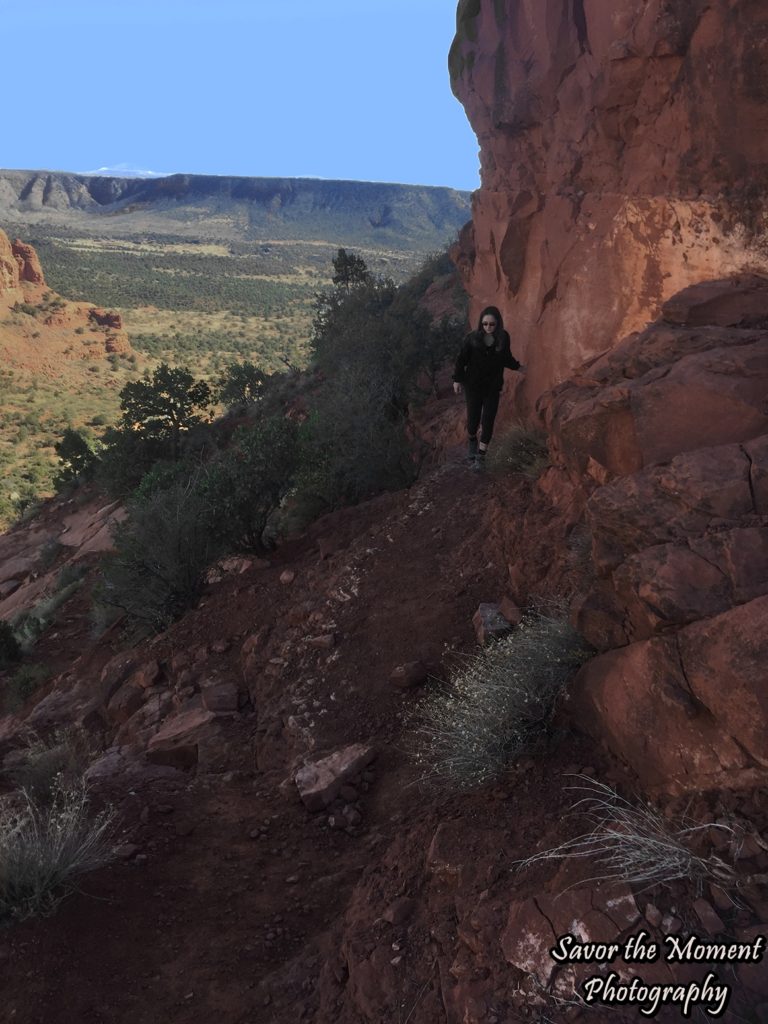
{"x": 19, "y": 267}
{"x": 623, "y": 149}
{"x": 60, "y": 330}
{"x": 28, "y": 262}
{"x": 666, "y": 438}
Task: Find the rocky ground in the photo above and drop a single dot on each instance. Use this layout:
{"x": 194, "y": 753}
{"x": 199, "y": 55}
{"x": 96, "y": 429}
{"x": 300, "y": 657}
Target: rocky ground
{"x": 230, "y": 899}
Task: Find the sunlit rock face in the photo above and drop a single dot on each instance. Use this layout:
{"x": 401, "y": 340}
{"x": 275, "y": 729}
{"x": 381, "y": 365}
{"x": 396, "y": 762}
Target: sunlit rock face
{"x": 624, "y": 149}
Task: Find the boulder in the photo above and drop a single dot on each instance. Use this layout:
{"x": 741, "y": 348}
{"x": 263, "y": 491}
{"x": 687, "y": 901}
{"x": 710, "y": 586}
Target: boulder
{"x": 220, "y": 695}
{"x": 685, "y": 712}
{"x": 409, "y": 675}
{"x": 732, "y": 302}
{"x": 319, "y": 782}
{"x": 177, "y": 742}
{"x": 591, "y": 913}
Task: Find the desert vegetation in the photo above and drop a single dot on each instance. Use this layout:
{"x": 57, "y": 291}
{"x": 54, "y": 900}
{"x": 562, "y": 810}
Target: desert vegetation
{"x": 498, "y": 705}
{"x": 183, "y": 303}
{"x": 522, "y": 449}
{"x": 197, "y": 488}
{"x": 636, "y": 843}
{"x": 46, "y": 841}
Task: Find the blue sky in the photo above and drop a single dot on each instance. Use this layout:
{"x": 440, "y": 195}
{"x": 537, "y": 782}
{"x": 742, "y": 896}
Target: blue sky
{"x": 354, "y": 89}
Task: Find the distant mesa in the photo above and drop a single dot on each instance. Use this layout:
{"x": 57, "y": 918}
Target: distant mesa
{"x": 363, "y": 213}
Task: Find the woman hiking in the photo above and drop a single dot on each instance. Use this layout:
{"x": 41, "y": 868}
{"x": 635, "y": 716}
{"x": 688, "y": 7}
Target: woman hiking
{"x": 480, "y": 370}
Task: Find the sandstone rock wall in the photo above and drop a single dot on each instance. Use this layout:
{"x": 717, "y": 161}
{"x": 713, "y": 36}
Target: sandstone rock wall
{"x": 623, "y": 153}
{"x": 665, "y": 438}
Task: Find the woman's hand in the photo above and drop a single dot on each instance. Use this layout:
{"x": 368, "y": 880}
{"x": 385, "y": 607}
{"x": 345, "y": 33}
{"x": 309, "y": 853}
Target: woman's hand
{"x": 456, "y": 388}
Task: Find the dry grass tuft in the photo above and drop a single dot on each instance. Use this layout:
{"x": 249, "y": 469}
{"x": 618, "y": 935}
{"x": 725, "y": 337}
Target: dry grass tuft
{"x": 44, "y": 847}
{"x": 521, "y": 450}
{"x": 635, "y": 843}
{"x": 498, "y": 705}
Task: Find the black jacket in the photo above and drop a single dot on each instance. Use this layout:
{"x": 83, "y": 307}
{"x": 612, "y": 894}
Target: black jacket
{"x": 480, "y": 367}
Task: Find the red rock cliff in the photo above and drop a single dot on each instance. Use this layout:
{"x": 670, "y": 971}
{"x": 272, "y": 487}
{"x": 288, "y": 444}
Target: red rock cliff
{"x": 623, "y": 148}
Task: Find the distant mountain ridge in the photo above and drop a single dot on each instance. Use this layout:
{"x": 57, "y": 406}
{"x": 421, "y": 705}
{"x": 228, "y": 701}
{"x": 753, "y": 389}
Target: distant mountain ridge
{"x": 213, "y": 207}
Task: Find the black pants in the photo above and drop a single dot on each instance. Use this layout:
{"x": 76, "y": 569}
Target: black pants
{"x": 481, "y": 409}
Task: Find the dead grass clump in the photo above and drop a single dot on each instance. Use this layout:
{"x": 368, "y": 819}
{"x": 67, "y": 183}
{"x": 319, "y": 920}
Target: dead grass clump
{"x": 42, "y": 765}
{"x": 636, "y": 844}
{"x": 521, "y": 450}
{"x": 498, "y": 705}
{"x": 44, "y": 847}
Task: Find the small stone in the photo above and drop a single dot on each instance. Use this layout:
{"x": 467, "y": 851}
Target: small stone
{"x": 670, "y": 924}
{"x": 653, "y": 915}
{"x": 409, "y": 675}
{"x": 323, "y": 642}
{"x": 710, "y": 919}
{"x": 141, "y": 858}
{"x": 748, "y": 848}
{"x": 125, "y": 851}
{"x": 489, "y": 623}
{"x": 400, "y": 911}
{"x": 287, "y": 576}
{"x": 220, "y": 647}
{"x": 219, "y": 695}
{"x": 319, "y": 783}
{"x": 720, "y": 897}
{"x": 351, "y": 815}
{"x": 292, "y": 880}
{"x": 511, "y": 612}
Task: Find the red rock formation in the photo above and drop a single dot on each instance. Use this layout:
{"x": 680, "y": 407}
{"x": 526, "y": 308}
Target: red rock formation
{"x": 623, "y": 152}
{"x": 56, "y": 327}
{"x": 10, "y": 290}
{"x": 666, "y": 437}
{"x": 28, "y": 261}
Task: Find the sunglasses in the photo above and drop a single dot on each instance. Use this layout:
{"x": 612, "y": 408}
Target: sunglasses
{"x": 489, "y": 323}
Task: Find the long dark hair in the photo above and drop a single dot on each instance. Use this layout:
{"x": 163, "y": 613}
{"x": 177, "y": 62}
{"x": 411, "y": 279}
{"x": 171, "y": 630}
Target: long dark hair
{"x": 498, "y": 334}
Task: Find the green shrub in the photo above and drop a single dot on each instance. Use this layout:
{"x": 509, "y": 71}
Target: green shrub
{"x": 162, "y": 553}
{"x": 245, "y": 485}
{"x": 50, "y": 551}
{"x": 31, "y": 624}
{"x": 520, "y": 450}
{"x": 10, "y": 648}
{"x": 22, "y": 684}
{"x": 240, "y": 385}
{"x": 43, "y": 847}
{"x": 78, "y": 457}
{"x": 126, "y": 457}
{"x": 73, "y": 572}
{"x": 498, "y": 705}
{"x": 355, "y": 442}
